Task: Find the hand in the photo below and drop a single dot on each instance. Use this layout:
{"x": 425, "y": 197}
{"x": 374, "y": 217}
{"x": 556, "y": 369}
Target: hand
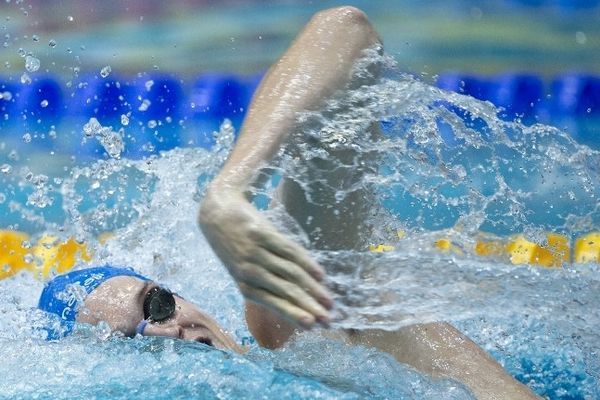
{"x": 269, "y": 268}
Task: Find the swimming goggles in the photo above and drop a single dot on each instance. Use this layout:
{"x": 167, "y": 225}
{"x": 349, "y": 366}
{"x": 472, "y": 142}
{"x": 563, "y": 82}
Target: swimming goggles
{"x": 159, "y": 305}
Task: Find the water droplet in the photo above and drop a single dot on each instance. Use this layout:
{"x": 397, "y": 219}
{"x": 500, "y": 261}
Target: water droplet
{"x": 149, "y": 147}
{"x": 105, "y": 71}
{"x": 44, "y": 103}
{"x": 6, "y": 169}
{"x": 28, "y": 258}
{"x": 22, "y": 52}
{"x": 52, "y": 43}
{"x": 26, "y": 244}
{"x": 149, "y": 85}
{"x": 110, "y": 140}
{"x": 35, "y": 38}
{"x": 124, "y": 120}
{"x": 32, "y": 64}
{"x": 145, "y": 104}
{"x": 27, "y": 138}
{"x": 25, "y": 79}
{"x": 52, "y": 133}
{"x": 152, "y": 124}
{"x": 70, "y": 18}
{"x": 91, "y": 127}
{"x": 7, "y": 96}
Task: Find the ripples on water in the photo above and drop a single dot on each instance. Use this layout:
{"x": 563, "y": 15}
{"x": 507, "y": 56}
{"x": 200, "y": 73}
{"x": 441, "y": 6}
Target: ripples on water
{"x": 448, "y": 167}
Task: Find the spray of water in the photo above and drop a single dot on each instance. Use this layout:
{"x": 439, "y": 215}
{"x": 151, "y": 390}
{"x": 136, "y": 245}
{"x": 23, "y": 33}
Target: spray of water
{"x": 444, "y": 166}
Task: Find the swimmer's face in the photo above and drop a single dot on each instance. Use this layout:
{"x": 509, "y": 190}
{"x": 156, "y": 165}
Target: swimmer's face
{"x": 120, "y": 302}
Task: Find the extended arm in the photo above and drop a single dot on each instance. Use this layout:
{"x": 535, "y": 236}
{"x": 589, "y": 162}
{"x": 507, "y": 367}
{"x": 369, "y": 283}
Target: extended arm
{"x": 269, "y": 268}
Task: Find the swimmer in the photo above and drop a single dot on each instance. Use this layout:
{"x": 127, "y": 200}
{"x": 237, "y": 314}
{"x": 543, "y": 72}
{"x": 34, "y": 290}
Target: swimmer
{"x": 279, "y": 280}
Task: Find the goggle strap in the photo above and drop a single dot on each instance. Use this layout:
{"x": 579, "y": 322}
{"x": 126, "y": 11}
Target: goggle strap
{"x": 139, "y": 329}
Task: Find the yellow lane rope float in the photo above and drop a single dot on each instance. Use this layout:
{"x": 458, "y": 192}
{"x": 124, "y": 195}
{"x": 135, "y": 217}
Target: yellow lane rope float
{"x": 519, "y": 250}
{"x": 50, "y": 255}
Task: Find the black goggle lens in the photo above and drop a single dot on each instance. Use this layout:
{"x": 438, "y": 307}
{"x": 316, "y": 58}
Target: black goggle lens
{"x": 159, "y": 305}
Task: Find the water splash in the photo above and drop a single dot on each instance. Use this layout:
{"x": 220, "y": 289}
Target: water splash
{"x": 446, "y": 166}
{"x": 111, "y": 141}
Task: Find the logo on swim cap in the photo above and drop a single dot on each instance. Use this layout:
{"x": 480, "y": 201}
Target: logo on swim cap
{"x": 65, "y": 294}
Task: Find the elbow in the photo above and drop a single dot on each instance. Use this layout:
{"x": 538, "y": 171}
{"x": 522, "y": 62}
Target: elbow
{"x": 344, "y": 15}
{"x": 348, "y": 19}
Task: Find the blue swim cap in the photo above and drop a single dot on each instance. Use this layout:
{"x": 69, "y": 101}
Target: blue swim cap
{"x": 65, "y": 294}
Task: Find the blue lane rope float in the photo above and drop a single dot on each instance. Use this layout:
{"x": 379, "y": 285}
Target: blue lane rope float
{"x": 103, "y": 98}
{"x": 154, "y": 109}
{"x": 562, "y": 5}
{"x": 570, "y": 94}
{"x": 576, "y": 94}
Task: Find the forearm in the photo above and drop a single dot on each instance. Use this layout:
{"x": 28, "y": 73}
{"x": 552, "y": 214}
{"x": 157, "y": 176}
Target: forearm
{"x": 440, "y": 350}
{"x": 318, "y": 63}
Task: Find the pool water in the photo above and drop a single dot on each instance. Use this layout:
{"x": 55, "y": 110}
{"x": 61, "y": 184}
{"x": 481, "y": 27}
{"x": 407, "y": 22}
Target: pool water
{"x": 448, "y": 167}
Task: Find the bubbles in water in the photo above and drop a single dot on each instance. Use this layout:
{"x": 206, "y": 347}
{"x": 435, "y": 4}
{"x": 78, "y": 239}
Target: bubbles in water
{"x": 44, "y": 103}
{"x": 27, "y": 137}
{"x": 7, "y": 96}
{"x": 105, "y": 71}
{"x": 149, "y": 85}
{"x": 32, "y": 64}
{"x": 124, "y": 120}
{"x": 152, "y": 124}
{"x": 35, "y": 38}
{"x": 52, "y": 43}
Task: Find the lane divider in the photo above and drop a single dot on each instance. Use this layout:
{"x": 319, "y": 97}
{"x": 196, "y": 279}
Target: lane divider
{"x": 46, "y": 257}
{"x": 49, "y": 255}
{"x": 520, "y": 250}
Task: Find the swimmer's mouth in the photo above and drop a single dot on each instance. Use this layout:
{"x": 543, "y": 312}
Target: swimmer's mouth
{"x": 204, "y": 340}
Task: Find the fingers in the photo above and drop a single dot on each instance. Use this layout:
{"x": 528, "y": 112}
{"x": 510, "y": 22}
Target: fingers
{"x": 289, "y": 250}
{"x": 294, "y": 294}
{"x": 293, "y": 273}
{"x": 282, "y": 306}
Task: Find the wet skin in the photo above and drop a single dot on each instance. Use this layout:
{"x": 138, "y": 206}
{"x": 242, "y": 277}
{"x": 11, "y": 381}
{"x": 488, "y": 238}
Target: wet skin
{"x": 119, "y": 302}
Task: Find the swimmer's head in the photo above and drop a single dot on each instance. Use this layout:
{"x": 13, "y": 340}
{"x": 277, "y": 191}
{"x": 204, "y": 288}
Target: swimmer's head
{"x": 64, "y": 296}
{"x": 129, "y": 303}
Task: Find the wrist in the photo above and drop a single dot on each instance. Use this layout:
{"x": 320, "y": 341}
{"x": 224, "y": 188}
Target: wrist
{"x": 217, "y": 194}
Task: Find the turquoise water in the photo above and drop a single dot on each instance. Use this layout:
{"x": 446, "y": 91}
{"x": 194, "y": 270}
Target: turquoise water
{"x": 446, "y": 167}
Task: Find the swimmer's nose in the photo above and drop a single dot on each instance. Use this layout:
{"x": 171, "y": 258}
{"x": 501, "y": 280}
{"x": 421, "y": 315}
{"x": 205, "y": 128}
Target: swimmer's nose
{"x": 174, "y": 331}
